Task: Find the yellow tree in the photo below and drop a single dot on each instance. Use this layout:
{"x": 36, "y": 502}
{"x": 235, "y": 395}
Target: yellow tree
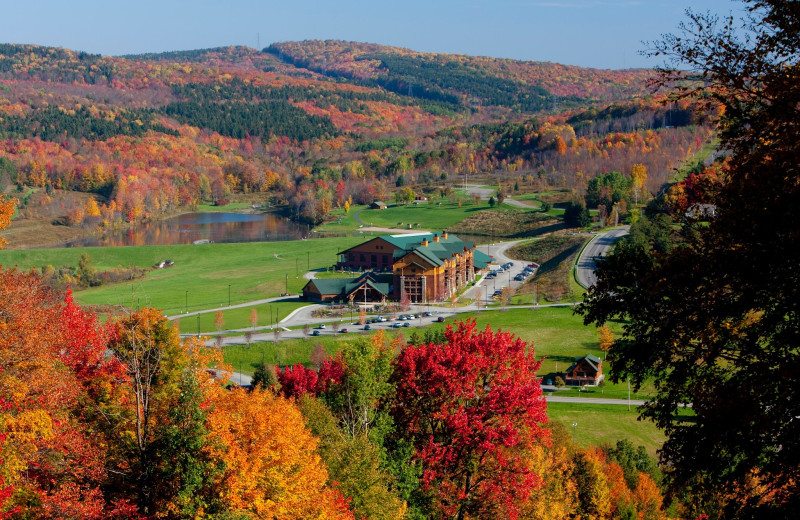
{"x": 6, "y": 212}
{"x": 606, "y": 338}
{"x": 272, "y": 469}
{"x": 639, "y": 178}
{"x": 90, "y": 209}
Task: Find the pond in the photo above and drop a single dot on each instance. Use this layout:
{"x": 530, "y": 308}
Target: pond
{"x": 202, "y": 227}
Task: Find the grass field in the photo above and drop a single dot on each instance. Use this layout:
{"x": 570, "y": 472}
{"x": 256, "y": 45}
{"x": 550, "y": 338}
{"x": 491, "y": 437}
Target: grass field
{"x": 202, "y": 275}
{"x": 599, "y": 424}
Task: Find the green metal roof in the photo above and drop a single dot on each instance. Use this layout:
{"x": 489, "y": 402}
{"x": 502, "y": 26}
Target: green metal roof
{"x": 480, "y": 259}
{"x": 330, "y": 285}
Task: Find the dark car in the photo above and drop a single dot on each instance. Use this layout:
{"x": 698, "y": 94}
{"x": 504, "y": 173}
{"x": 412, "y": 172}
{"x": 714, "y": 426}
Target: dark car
{"x": 343, "y": 331}
{"x": 440, "y": 319}
{"x": 315, "y": 333}
{"x": 406, "y": 324}
{"x": 426, "y": 314}
{"x": 367, "y": 326}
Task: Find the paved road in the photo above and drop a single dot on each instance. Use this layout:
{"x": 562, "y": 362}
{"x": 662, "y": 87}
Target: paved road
{"x": 592, "y": 400}
{"x": 598, "y": 247}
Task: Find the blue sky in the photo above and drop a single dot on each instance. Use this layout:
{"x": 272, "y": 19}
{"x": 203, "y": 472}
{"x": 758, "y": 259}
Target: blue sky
{"x": 591, "y": 33}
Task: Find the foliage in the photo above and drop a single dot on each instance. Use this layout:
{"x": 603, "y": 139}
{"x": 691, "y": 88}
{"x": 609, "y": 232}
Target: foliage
{"x": 264, "y": 376}
{"x": 272, "y": 468}
{"x": 713, "y": 321}
{"x": 576, "y": 215}
{"x": 470, "y": 406}
{"x": 354, "y": 463}
{"x": 6, "y": 212}
{"x": 608, "y": 189}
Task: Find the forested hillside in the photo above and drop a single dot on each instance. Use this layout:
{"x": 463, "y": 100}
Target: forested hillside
{"x": 310, "y": 125}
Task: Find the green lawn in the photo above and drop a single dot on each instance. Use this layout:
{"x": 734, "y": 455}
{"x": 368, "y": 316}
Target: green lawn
{"x": 556, "y": 333}
{"x": 202, "y": 274}
{"x": 232, "y": 207}
{"x": 599, "y": 424}
{"x": 430, "y": 216}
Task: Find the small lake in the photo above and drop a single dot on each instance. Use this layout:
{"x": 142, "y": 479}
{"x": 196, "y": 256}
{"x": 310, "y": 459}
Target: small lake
{"x": 193, "y": 227}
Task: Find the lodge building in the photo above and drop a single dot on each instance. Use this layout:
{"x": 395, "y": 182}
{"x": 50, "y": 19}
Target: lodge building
{"x": 420, "y": 267}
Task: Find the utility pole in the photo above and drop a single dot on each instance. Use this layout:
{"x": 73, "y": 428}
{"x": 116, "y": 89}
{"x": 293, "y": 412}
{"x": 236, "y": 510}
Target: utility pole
{"x": 229, "y": 295}
{"x": 187, "y": 302}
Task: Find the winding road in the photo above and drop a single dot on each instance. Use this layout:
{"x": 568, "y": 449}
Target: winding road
{"x": 598, "y": 247}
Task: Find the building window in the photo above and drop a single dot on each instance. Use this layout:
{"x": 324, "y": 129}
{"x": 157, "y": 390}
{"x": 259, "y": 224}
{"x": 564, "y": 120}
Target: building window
{"x": 351, "y": 256}
{"x": 361, "y": 257}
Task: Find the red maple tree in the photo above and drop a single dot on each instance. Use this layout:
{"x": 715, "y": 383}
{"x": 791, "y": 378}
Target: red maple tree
{"x": 472, "y": 405}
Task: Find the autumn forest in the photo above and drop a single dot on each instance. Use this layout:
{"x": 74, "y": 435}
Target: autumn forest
{"x": 118, "y": 414}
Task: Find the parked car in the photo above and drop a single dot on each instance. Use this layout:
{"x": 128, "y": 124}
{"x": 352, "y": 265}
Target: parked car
{"x": 315, "y": 333}
{"x": 381, "y": 319}
{"x": 397, "y": 325}
{"x": 343, "y": 331}
{"x": 440, "y": 319}
{"x": 519, "y": 277}
{"x": 406, "y": 324}
{"x": 367, "y": 327}
{"x": 321, "y": 326}
{"x": 426, "y": 314}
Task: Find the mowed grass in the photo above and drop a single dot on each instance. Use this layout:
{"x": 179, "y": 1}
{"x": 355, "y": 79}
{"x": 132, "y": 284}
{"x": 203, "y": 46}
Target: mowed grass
{"x": 606, "y": 424}
{"x": 245, "y": 359}
{"x": 431, "y": 216}
{"x": 201, "y": 275}
{"x": 556, "y": 333}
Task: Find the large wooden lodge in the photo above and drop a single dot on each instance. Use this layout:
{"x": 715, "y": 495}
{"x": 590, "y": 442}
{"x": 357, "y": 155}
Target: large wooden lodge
{"x": 419, "y": 267}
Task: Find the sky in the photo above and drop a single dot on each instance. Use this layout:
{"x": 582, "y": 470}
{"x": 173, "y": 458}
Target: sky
{"x": 606, "y": 34}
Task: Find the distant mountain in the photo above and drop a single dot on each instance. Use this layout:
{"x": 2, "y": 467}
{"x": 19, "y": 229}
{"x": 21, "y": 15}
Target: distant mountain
{"x": 311, "y": 124}
{"x": 523, "y": 85}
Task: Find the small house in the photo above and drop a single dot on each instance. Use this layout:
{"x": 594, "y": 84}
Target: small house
{"x": 377, "y": 205}
{"x": 586, "y": 370}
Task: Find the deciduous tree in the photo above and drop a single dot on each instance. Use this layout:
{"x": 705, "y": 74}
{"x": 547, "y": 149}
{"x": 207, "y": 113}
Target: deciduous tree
{"x": 469, "y": 406}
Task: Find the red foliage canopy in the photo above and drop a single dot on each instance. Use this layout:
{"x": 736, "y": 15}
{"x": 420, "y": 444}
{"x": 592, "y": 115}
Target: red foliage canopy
{"x": 472, "y": 405}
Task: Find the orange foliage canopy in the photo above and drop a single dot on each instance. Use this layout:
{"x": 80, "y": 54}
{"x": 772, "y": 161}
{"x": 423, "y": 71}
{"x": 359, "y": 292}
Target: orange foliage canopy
{"x": 6, "y": 211}
{"x": 272, "y": 469}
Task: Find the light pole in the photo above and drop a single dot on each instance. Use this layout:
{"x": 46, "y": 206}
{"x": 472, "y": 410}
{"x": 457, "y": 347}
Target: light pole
{"x": 287, "y": 283}
{"x": 629, "y": 393}
{"x": 187, "y": 302}
{"x": 229, "y": 295}
{"x": 574, "y": 428}
{"x": 198, "y": 324}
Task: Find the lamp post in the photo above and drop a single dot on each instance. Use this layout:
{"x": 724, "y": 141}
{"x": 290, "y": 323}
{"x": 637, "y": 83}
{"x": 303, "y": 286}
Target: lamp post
{"x": 287, "y": 283}
{"x": 574, "y": 428}
{"x": 187, "y": 302}
{"x": 229, "y": 295}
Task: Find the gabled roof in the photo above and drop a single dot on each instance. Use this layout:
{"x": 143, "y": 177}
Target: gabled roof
{"x": 382, "y": 288}
{"x": 329, "y": 285}
{"x": 434, "y": 252}
{"x": 592, "y": 360}
{"x": 480, "y": 260}
{"x": 347, "y": 285}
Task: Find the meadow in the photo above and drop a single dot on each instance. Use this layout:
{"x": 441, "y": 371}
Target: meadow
{"x": 202, "y": 277}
